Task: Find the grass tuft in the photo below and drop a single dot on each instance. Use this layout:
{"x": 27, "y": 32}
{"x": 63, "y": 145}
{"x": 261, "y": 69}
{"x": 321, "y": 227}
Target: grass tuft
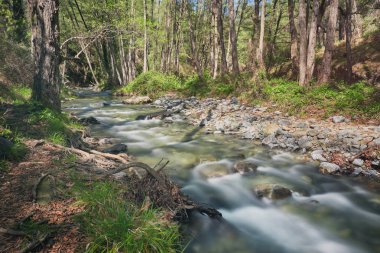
{"x": 115, "y": 226}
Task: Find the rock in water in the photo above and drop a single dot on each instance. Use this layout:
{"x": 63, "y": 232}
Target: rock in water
{"x": 116, "y": 149}
{"x": 272, "y": 191}
{"x": 243, "y": 167}
{"x": 138, "y": 100}
{"x": 89, "y": 121}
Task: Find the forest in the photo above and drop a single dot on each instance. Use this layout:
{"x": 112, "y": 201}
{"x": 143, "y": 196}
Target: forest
{"x": 190, "y": 126}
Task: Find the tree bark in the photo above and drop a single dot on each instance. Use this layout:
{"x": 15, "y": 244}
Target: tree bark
{"x": 46, "y": 52}
{"x": 310, "y": 62}
{"x": 233, "y": 40}
{"x": 193, "y": 47}
{"x": 325, "y": 72}
{"x": 260, "y": 55}
{"x": 223, "y": 66}
{"x": 348, "y": 40}
{"x": 294, "y": 40}
{"x": 303, "y": 42}
{"x": 145, "y": 67}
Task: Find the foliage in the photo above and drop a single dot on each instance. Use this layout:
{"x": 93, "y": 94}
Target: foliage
{"x": 153, "y": 84}
{"x": 359, "y": 98}
{"x": 116, "y": 226}
{"x": 17, "y": 151}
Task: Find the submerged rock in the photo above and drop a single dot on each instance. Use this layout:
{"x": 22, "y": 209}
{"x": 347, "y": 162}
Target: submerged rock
{"x": 272, "y": 191}
{"x": 116, "y": 149}
{"x": 243, "y": 167}
{"x": 89, "y": 121}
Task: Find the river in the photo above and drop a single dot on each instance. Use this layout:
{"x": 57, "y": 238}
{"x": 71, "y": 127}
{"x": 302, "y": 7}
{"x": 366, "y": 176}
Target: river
{"x": 325, "y": 214}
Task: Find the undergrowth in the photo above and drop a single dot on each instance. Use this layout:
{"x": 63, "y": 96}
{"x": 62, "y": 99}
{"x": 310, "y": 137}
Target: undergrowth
{"x": 114, "y": 225}
{"x": 153, "y": 84}
{"x": 358, "y": 98}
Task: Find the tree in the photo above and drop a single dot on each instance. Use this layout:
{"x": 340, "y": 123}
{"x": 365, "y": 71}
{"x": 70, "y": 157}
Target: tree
{"x": 46, "y": 52}
{"x": 233, "y": 40}
{"x": 260, "y": 55}
{"x": 293, "y": 37}
{"x": 325, "y": 72}
{"x": 303, "y": 42}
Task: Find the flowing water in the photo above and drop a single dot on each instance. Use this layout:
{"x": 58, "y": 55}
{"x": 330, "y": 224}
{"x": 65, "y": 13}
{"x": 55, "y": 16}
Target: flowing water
{"x": 324, "y": 214}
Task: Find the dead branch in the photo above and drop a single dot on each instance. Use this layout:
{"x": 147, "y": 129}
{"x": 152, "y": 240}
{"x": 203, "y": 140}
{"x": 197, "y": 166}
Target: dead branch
{"x": 35, "y": 243}
{"x": 12, "y": 232}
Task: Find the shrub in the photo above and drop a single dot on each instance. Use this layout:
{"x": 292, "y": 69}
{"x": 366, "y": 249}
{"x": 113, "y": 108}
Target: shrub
{"x": 153, "y": 84}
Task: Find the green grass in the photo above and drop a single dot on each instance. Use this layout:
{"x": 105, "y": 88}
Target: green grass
{"x": 113, "y": 225}
{"x": 16, "y": 94}
{"x": 356, "y": 99}
{"x": 152, "y": 84}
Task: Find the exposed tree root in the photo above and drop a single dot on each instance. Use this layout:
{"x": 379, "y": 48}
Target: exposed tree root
{"x": 35, "y": 243}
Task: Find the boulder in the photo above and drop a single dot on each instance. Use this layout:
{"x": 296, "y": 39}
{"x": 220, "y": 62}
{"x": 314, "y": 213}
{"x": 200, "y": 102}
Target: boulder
{"x": 138, "y": 100}
{"x": 116, "y": 149}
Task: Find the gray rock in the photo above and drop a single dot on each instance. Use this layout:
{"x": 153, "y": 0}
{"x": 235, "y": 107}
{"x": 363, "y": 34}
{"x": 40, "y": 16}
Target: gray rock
{"x": 328, "y": 168}
{"x": 243, "y": 167}
{"x": 357, "y": 171}
{"x": 105, "y": 141}
{"x": 358, "y": 162}
{"x": 234, "y": 101}
{"x": 116, "y": 149}
{"x": 312, "y": 133}
{"x": 376, "y": 141}
{"x": 302, "y": 125}
{"x": 270, "y": 139}
{"x": 317, "y": 155}
{"x": 338, "y": 119}
{"x": 304, "y": 142}
{"x": 157, "y": 102}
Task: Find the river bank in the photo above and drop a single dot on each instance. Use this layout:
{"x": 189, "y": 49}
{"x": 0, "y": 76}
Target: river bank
{"x": 338, "y": 145}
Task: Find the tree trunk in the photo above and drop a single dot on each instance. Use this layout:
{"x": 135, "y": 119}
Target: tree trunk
{"x": 193, "y": 47}
{"x": 224, "y": 68}
{"x": 303, "y": 42}
{"x": 233, "y": 40}
{"x": 348, "y": 40}
{"x": 357, "y": 22}
{"x": 145, "y": 68}
{"x": 325, "y": 72}
{"x": 260, "y": 54}
{"x": 341, "y": 23}
{"x": 310, "y": 62}
{"x": 215, "y": 47}
{"x": 255, "y": 37}
{"x": 46, "y": 54}
{"x": 294, "y": 40}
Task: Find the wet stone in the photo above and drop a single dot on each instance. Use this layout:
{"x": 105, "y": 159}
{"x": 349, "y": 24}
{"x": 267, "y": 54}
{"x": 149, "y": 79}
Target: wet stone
{"x": 116, "y": 149}
{"x": 243, "y": 167}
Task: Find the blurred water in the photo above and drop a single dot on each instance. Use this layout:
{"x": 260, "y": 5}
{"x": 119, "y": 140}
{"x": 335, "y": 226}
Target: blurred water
{"x": 324, "y": 214}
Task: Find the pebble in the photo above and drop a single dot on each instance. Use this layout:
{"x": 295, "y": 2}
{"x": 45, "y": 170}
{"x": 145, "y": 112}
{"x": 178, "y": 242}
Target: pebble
{"x": 358, "y": 162}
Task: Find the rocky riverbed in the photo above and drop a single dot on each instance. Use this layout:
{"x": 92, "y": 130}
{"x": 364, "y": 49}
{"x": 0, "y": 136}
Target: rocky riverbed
{"x": 340, "y": 146}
